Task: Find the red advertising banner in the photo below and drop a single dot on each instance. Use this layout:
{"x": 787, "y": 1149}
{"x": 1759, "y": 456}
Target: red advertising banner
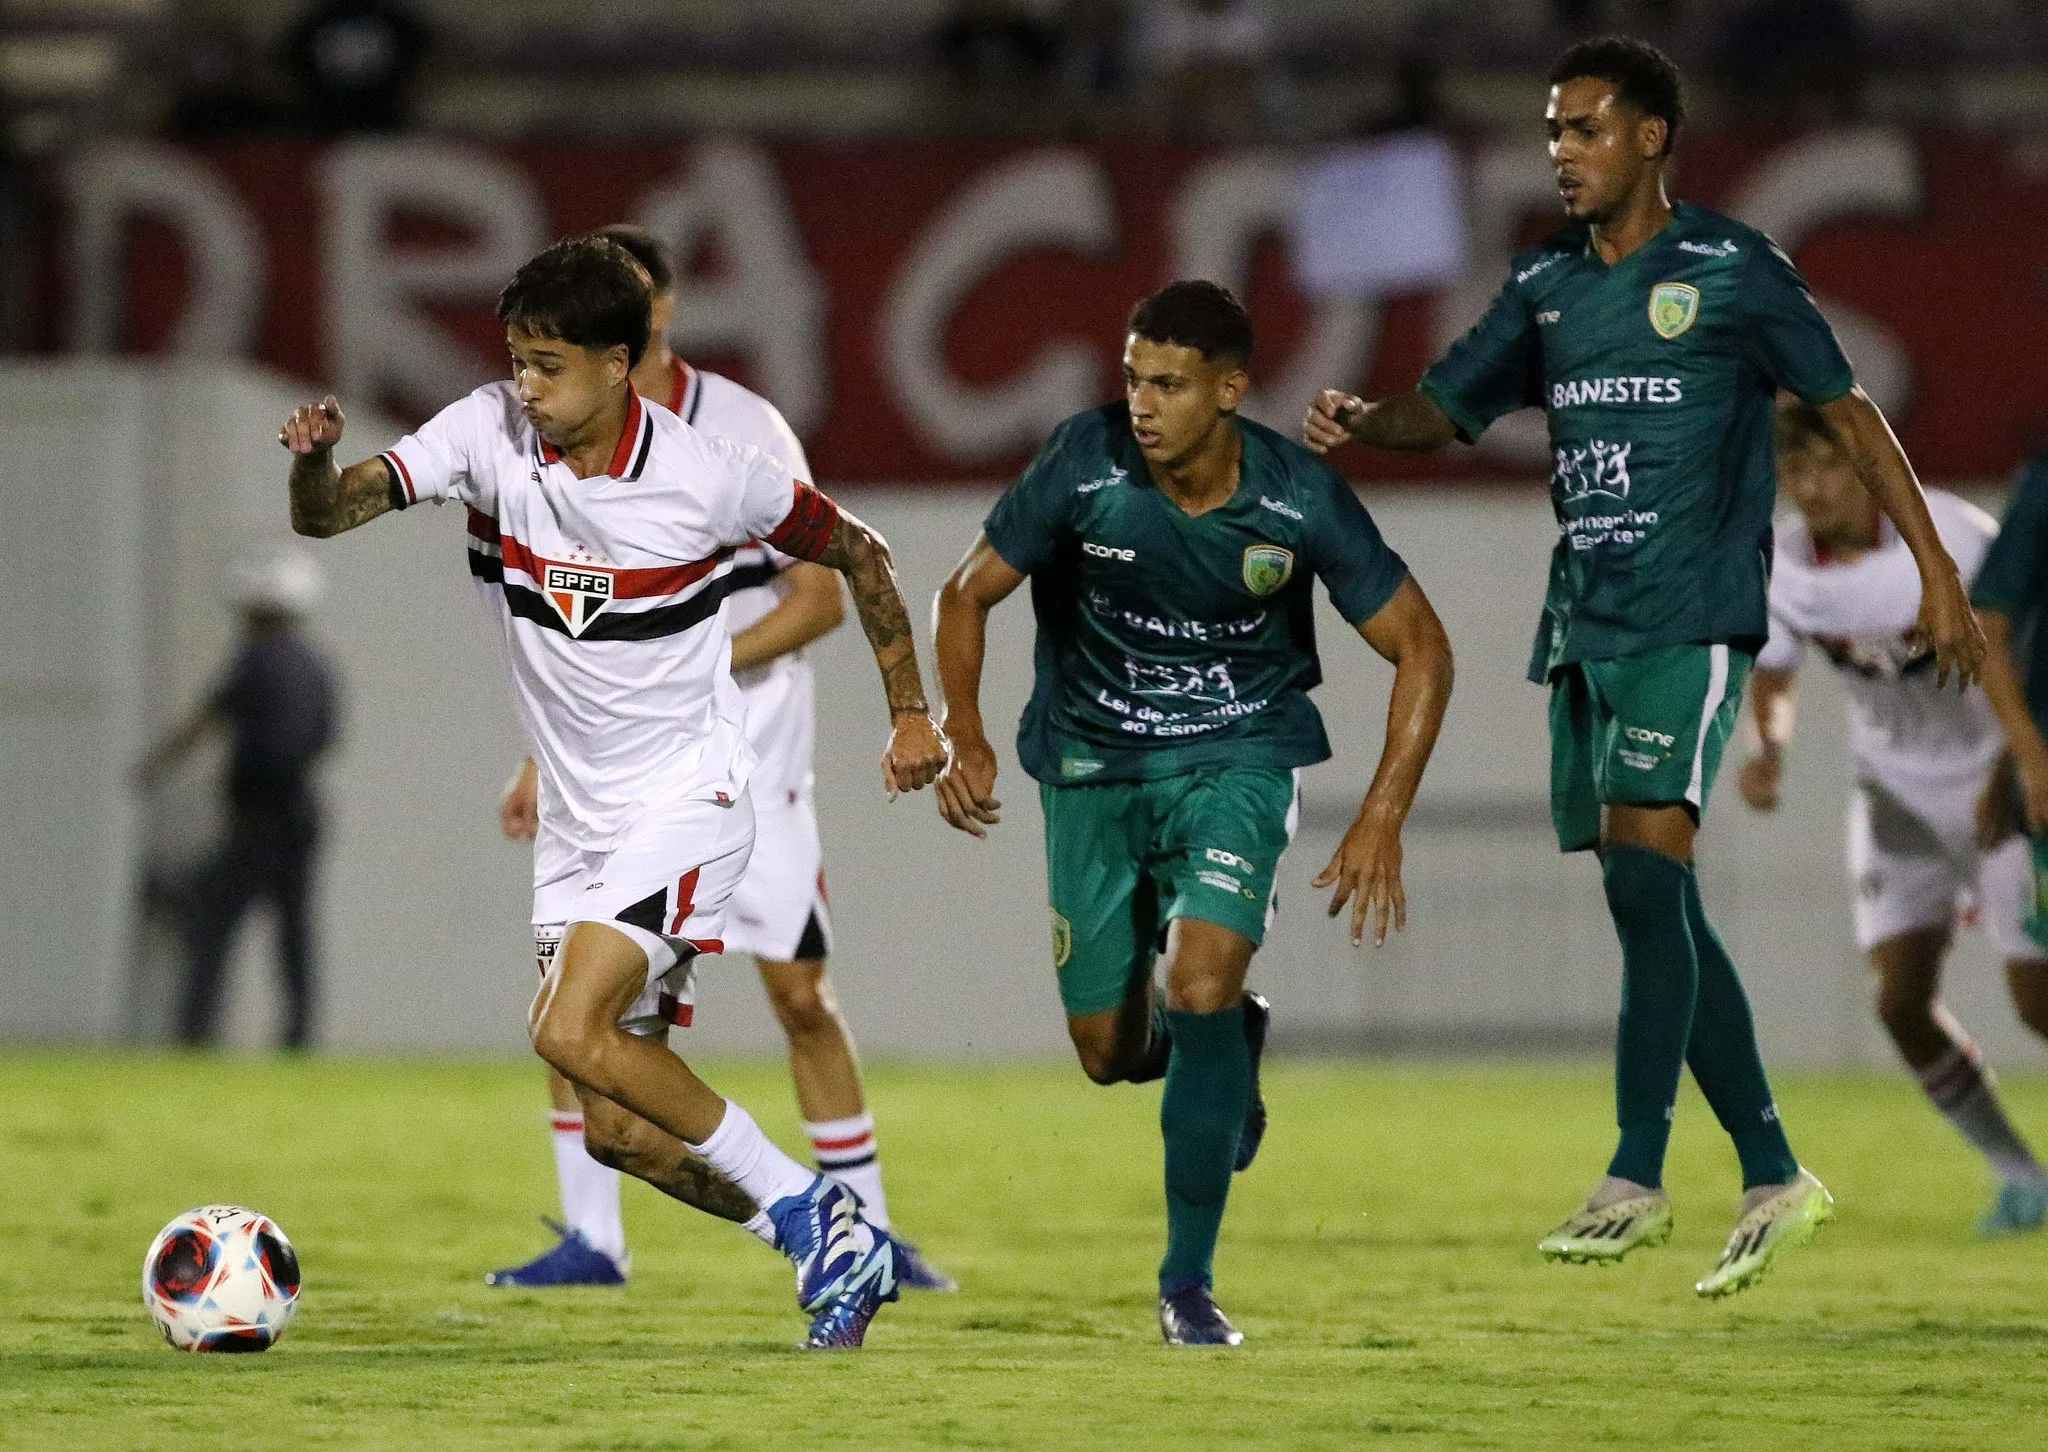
{"x": 927, "y": 311}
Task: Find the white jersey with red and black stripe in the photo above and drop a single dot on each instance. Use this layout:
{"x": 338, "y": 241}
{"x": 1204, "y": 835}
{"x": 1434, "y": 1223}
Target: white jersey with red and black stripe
{"x": 781, "y": 696}
{"x": 611, "y": 595}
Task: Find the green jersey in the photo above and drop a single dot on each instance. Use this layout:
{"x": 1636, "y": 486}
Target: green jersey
{"x": 1167, "y": 642}
{"x": 1659, "y": 377}
{"x": 2013, "y": 579}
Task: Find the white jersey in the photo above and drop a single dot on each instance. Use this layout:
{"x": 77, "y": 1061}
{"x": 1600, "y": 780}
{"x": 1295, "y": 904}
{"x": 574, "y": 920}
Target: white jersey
{"x": 781, "y": 696}
{"x": 611, "y": 595}
{"x": 1907, "y": 735}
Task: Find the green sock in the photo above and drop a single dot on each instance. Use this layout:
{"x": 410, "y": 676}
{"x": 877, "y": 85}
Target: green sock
{"x": 1725, "y": 1060}
{"x": 1659, "y": 977}
{"x": 1201, "y": 1112}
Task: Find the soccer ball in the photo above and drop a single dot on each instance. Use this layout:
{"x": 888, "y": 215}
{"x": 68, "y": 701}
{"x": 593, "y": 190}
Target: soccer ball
{"x": 221, "y": 1278}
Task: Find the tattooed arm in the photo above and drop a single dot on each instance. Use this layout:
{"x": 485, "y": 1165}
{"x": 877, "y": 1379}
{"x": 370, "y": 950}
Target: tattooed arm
{"x": 327, "y": 500}
{"x": 917, "y": 752}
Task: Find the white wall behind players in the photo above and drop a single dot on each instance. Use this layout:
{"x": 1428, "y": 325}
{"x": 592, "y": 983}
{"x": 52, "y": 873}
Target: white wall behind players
{"x": 942, "y": 941}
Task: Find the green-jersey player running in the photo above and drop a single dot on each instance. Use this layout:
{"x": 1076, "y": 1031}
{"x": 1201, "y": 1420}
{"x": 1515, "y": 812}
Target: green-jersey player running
{"x": 1655, "y": 337}
{"x": 1171, "y": 548}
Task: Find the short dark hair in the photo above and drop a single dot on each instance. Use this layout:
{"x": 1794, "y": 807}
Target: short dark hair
{"x": 648, "y": 250}
{"x": 589, "y": 291}
{"x": 1801, "y": 426}
{"x": 1642, "y": 76}
{"x": 1198, "y": 314}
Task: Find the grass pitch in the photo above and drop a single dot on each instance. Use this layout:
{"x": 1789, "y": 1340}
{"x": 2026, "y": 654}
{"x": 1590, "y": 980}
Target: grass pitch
{"x": 1380, "y": 1257}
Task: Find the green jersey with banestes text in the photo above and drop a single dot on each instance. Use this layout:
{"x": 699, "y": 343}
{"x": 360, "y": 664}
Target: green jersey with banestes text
{"x": 1659, "y": 377}
{"x": 1168, "y": 642}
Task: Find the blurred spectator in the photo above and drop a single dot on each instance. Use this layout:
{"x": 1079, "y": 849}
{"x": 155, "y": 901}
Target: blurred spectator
{"x": 1096, "y": 65}
{"x": 217, "y": 90}
{"x": 355, "y": 61}
{"x": 1797, "y": 60}
{"x": 998, "y": 58}
{"x": 277, "y": 705}
{"x": 1418, "y": 99}
{"x": 1211, "y": 62}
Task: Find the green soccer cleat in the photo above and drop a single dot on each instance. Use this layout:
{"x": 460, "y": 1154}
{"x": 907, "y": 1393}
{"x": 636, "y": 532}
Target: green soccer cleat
{"x": 1786, "y": 1219}
{"x": 1603, "y": 1236}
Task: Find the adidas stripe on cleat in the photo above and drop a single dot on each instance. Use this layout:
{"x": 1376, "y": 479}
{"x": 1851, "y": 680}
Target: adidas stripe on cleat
{"x": 1604, "y": 1236}
{"x": 842, "y": 1323}
{"x": 1787, "y": 1219}
{"x": 825, "y": 1239}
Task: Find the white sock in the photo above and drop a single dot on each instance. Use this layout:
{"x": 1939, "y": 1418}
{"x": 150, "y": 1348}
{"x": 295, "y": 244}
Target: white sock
{"x": 739, "y": 1151}
{"x": 845, "y": 1150}
{"x": 590, "y": 1191}
{"x": 1963, "y": 1090}
{"x": 762, "y": 1229}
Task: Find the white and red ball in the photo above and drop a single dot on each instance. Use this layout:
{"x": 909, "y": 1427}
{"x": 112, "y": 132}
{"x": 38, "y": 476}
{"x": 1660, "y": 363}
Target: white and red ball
{"x": 221, "y": 1278}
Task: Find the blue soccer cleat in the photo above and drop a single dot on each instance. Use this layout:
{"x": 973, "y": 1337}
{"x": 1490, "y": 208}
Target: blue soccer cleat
{"x": 1189, "y": 1316}
{"x": 841, "y": 1324}
{"x": 573, "y": 1262}
{"x": 1257, "y": 1014}
{"x": 2017, "y": 1210}
{"x": 914, "y": 1272}
{"x": 820, "y": 1233}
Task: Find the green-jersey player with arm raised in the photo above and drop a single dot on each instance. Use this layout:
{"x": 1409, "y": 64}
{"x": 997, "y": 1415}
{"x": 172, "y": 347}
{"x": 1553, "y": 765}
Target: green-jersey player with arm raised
{"x": 1171, "y": 549}
{"x": 1655, "y": 337}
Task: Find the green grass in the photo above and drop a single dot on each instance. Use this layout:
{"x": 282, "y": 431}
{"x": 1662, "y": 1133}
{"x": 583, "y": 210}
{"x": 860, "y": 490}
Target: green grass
{"x": 1380, "y": 1258}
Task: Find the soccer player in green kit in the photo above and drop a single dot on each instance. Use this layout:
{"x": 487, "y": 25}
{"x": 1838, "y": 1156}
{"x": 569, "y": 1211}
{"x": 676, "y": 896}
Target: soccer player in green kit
{"x": 1171, "y": 548}
{"x": 1655, "y": 337}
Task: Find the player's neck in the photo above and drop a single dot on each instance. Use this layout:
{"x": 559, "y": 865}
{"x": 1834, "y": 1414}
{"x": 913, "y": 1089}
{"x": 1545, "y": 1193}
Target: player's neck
{"x": 1645, "y": 213}
{"x": 1206, "y": 476}
{"x": 591, "y": 452}
{"x": 655, "y": 377}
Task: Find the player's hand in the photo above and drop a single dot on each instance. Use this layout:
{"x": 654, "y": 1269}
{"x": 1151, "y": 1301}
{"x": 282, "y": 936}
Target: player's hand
{"x": 519, "y": 808}
{"x": 1948, "y": 626}
{"x": 313, "y": 427}
{"x": 1330, "y": 417}
{"x": 967, "y": 791}
{"x": 1367, "y": 873}
{"x": 916, "y": 754}
{"x": 1758, "y": 781}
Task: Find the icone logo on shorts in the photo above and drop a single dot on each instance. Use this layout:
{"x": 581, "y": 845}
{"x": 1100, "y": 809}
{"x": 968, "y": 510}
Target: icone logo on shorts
{"x": 1648, "y": 737}
{"x": 578, "y": 592}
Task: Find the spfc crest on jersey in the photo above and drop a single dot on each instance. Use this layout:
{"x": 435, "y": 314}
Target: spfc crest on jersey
{"x": 1674, "y": 307}
{"x": 577, "y": 592}
{"x": 1267, "y": 568}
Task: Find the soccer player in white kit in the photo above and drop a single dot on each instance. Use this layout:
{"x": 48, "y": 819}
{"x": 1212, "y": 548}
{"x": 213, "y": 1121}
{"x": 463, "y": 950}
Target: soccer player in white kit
{"x": 779, "y": 912}
{"x": 1845, "y": 584}
{"x": 603, "y": 532}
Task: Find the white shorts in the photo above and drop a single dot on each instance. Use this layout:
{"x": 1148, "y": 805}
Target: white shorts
{"x": 1917, "y": 867}
{"x": 668, "y": 885}
{"x": 779, "y": 911}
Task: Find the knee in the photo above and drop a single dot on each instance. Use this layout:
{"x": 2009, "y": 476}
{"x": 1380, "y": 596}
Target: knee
{"x": 568, "y": 1047}
{"x": 1101, "y": 1065}
{"x": 1202, "y": 993}
{"x": 806, "y": 1009}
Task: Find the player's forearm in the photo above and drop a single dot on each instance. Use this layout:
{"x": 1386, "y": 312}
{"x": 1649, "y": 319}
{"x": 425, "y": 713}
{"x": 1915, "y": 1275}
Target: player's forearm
{"x": 1887, "y": 473}
{"x": 862, "y": 556}
{"x": 2002, "y": 688}
{"x": 807, "y": 613}
{"x": 1772, "y": 706}
{"x": 327, "y": 501}
{"x": 1406, "y": 422}
{"x": 960, "y": 637}
{"x": 1415, "y": 715}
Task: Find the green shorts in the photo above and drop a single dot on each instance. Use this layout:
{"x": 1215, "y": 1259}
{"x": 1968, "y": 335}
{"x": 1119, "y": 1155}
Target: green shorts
{"x": 1124, "y": 859}
{"x": 1642, "y": 730}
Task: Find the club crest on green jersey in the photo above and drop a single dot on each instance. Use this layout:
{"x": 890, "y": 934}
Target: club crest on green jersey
{"x": 1674, "y": 307}
{"x": 1062, "y": 941}
{"x": 1267, "y": 568}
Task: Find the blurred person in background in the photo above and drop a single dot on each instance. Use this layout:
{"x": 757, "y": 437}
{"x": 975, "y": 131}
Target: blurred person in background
{"x": 1844, "y": 582}
{"x": 355, "y": 62}
{"x": 1796, "y": 61}
{"x": 1211, "y": 63}
{"x": 277, "y": 703}
{"x": 998, "y": 59}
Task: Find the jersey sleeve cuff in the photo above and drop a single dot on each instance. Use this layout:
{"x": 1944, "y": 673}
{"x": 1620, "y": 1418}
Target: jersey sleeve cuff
{"x": 400, "y": 479}
{"x": 807, "y": 529}
{"x": 1838, "y": 388}
{"x": 1469, "y": 428}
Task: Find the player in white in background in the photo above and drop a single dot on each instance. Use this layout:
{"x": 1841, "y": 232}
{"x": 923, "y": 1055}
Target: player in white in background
{"x": 1844, "y": 583}
{"x": 603, "y": 532}
{"x": 779, "y": 913}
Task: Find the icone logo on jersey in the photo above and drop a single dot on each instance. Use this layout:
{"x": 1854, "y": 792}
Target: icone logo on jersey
{"x": 578, "y": 592}
{"x": 1107, "y": 552}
